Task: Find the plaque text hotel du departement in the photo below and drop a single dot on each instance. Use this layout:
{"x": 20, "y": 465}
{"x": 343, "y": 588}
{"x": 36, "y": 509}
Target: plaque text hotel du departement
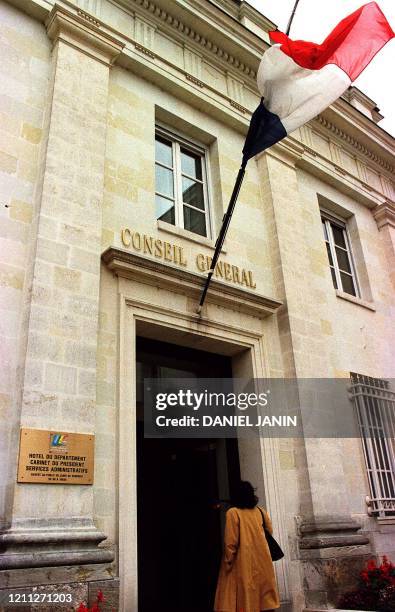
{"x": 55, "y": 457}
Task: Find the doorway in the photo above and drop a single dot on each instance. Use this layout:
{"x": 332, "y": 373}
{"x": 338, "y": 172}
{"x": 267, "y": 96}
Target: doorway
{"x": 183, "y": 489}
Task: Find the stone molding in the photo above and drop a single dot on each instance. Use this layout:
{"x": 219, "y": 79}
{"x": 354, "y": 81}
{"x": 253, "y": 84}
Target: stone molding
{"x": 157, "y": 17}
{"x": 246, "y": 10}
{"x": 194, "y": 80}
{"x": 384, "y": 215}
{"x": 159, "y": 314}
{"x": 48, "y": 542}
{"x": 192, "y": 34}
{"x": 331, "y": 127}
{"x": 363, "y": 103}
{"x": 82, "y": 31}
{"x": 330, "y": 533}
{"x": 163, "y": 15}
{"x": 294, "y": 154}
{"x": 324, "y": 121}
{"x": 129, "y": 265}
{"x": 289, "y": 151}
{"x": 89, "y": 18}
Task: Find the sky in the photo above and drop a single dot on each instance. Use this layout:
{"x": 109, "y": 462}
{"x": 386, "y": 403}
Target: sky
{"x": 313, "y": 21}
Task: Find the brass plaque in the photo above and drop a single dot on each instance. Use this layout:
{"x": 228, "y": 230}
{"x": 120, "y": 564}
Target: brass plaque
{"x": 55, "y": 457}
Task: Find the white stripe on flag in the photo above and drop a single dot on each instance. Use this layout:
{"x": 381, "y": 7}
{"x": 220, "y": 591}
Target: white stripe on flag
{"x": 297, "y": 94}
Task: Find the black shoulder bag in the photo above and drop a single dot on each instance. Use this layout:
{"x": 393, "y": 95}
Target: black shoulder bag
{"x": 275, "y": 549}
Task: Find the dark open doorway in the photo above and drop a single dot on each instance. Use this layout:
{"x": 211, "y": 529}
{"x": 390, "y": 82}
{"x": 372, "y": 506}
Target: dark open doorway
{"x": 179, "y": 482}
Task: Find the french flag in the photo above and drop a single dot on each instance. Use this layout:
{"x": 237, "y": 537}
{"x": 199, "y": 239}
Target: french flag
{"x": 299, "y": 79}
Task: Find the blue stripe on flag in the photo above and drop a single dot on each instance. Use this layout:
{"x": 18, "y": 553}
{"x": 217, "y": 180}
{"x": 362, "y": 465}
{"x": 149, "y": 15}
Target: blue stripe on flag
{"x": 265, "y": 130}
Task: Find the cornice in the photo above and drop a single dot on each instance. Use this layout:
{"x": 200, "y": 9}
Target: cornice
{"x": 294, "y": 154}
{"x": 246, "y": 10}
{"x": 329, "y": 125}
{"x": 81, "y": 30}
{"x": 364, "y": 123}
{"x": 289, "y": 151}
{"x": 228, "y": 6}
{"x": 168, "y": 18}
{"x": 150, "y": 271}
{"x": 228, "y": 23}
{"x": 384, "y": 215}
{"x": 367, "y": 106}
{"x": 349, "y": 127}
{"x": 366, "y": 126}
{"x": 345, "y": 115}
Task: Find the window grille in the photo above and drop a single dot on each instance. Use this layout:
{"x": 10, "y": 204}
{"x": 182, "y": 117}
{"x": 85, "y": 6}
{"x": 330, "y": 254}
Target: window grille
{"x": 375, "y": 404}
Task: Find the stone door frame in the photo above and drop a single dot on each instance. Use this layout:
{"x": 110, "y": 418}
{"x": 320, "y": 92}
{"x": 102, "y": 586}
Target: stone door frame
{"x": 156, "y": 296}
{"x": 133, "y": 315}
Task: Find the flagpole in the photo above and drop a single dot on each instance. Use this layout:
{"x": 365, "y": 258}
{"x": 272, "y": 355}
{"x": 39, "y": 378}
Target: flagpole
{"x": 292, "y": 17}
{"x": 231, "y": 206}
{"x": 223, "y": 231}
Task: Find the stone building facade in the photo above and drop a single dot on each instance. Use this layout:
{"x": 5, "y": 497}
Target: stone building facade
{"x": 87, "y": 266}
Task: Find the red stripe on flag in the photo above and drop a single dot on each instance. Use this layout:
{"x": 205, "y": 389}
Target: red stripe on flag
{"x": 351, "y": 45}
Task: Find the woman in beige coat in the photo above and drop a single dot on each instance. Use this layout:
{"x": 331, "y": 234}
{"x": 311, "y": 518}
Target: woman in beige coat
{"x": 246, "y": 580}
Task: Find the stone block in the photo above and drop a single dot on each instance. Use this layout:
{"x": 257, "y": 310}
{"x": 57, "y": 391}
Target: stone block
{"x": 9, "y": 323}
{"x": 34, "y": 374}
{"x": 79, "y": 410}
{"x": 327, "y": 579}
{"x": 27, "y": 172}
{"x": 85, "y": 260}
{"x": 42, "y": 346}
{"x": 287, "y": 460}
{"x": 8, "y": 163}
{"x": 71, "y": 234}
{"x": 104, "y": 502}
{"x": 43, "y": 273}
{"x": 66, "y": 278}
{"x": 21, "y": 211}
{"x": 31, "y": 133}
{"x": 87, "y": 383}
{"x": 106, "y": 392}
{"x": 81, "y": 305}
{"x": 65, "y": 325}
{"x": 52, "y": 251}
{"x": 110, "y": 590}
{"x": 80, "y": 354}
{"x": 12, "y": 253}
{"x": 11, "y": 277}
{"x": 326, "y": 327}
{"x": 37, "y": 403}
{"x": 48, "y": 228}
{"x": 61, "y": 379}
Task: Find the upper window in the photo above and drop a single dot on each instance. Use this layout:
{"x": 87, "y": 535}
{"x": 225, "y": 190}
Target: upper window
{"x": 181, "y": 184}
{"x": 339, "y": 255}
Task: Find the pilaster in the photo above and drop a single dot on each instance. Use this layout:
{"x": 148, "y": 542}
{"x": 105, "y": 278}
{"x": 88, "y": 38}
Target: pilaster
{"x": 384, "y": 215}
{"x": 59, "y": 382}
{"x": 328, "y": 534}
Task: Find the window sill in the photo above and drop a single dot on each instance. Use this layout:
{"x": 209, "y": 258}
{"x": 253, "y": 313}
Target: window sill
{"x": 386, "y": 520}
{"x": 355, "y": 300}
{"x": 183, "y": 233}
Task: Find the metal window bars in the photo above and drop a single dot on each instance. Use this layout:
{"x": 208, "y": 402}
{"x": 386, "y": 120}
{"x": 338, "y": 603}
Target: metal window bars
{"x": 375, "y": 405}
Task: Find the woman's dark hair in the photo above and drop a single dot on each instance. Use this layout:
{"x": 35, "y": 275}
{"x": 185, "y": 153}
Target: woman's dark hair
{"x": 244, "y": 495}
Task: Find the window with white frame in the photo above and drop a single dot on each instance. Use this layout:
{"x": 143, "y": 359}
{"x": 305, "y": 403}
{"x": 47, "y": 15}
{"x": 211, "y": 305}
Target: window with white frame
{"x": 339, "y": 255}
{"x": 375, "y": 404}
{"x": 181, "y": 183}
